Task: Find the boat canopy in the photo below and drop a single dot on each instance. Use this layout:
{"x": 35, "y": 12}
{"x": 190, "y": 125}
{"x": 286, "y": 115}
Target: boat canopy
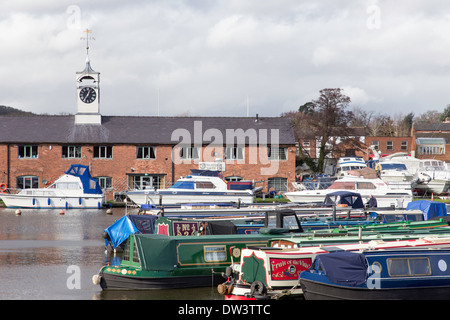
{"x": 351, "y": 199}
{"x": 430, "y": 209}
{"x": 345, "y": 268}
{"x": 90, "y": 184}
{"x": 120, "y": 230}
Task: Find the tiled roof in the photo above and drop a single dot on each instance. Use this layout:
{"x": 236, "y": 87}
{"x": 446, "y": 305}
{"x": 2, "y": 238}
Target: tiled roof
{"x": 139, "y": 130}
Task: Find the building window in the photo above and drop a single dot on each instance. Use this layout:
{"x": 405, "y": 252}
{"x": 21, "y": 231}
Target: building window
{"x": 28, "y": 152}
{"x": 404, "y": 145}
{"x": 146, "y": 152}
{"x": 27, "y": 182}
{"x": 431, "y": 145}
{"x": 144, "y": 181}
{"x": 276, "y": 153}
{"x": 189, "y": 153}
{"x": 105, "y": 182}
{"x": 389, "y": 145}
{"x": 306, "y": 143}
{"x": 71, "y": 152}
{"x": 376, "y": 144}
{"x": 234, "y": 153}
{"x": 103, "y": 152}
{"x": 277, "y": 184}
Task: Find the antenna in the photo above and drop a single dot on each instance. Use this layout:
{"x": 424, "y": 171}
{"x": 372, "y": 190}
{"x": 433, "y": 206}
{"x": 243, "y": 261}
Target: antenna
{"x": 248, "y": 106}
{"x": 87, "y": 38}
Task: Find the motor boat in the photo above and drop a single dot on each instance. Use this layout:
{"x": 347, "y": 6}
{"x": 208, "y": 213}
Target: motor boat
{"x": 386, "y": 196}
{"x": 430, "y": 175}
{"x": 202, "y": 186}
{"x": 75, "y": 189}
{"x": 346, "y": 164}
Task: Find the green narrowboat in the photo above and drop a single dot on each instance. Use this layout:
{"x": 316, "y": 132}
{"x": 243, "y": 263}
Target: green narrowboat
{"x": 154, "y": 261}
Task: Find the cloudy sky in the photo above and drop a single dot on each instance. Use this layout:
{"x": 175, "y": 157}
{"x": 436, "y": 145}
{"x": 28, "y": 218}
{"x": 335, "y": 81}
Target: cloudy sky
{"x": 225, "y": 57}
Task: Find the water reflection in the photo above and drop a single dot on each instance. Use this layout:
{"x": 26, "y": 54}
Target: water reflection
{"x": 38, "y": 247}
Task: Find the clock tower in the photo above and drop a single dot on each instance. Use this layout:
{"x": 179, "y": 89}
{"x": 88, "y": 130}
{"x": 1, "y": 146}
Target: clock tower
{"x": 88, "y": 93}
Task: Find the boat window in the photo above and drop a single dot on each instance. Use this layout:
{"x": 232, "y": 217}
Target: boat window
{"x": 343, "y": 185}
{"x": 215, "y": 253}
{"x": 393, "y": 166}
{"x": 67, "y": 185}
{"x": 404, "y": 267}
{"x": 204, "y": 185}
{"x": 183, "y": 185}
{"x": 290, "y": 222}
{"x": 135, "y": 254}
{"x": 126, "y": 252}
{"x": 365, "y": 185}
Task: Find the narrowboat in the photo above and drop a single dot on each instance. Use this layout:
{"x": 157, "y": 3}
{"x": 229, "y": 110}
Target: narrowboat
{"x": 153, "y": 261}
{"x": 379, "y": 275}
{"x": 116, "y": 235}
{"x": 156, "y": 261}
{"x": 273, "y": 273}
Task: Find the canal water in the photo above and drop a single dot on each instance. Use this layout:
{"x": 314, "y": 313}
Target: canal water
{"x": 49, "y": 256}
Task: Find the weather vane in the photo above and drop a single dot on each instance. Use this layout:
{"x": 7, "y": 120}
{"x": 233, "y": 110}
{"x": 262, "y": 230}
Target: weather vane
{"x": 87, "y": 38}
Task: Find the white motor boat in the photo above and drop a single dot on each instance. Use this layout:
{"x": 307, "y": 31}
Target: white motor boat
{"x": 346, "y": 164}
{"x": 202, "y": 186}
{"x": 386, "y": 196}
{"x": 75, "y": 189}
{"x": 430, "y": 175}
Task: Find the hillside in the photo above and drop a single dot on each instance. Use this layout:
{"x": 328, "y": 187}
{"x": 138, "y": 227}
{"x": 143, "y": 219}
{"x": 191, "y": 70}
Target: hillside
{"x": 9, "y": 111}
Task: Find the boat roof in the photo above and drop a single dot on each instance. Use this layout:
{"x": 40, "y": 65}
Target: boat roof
{"x": 430, "y": 209}
{"x": 349, "y": 268}
{"x": 351, "y": 199}
{"x": 90, "y": 184}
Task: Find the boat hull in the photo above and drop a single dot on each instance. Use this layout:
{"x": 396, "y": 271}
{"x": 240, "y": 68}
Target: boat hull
{"x": 313, "y": 290}
{"x": 384, "y": 201}
{"x": 172, "y": 198}
{"x": 48, "y": 202}
{"x": 120, "y": 282}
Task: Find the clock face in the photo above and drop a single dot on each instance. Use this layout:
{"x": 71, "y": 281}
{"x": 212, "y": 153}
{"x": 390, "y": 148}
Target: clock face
{"x": 88, "y": 95}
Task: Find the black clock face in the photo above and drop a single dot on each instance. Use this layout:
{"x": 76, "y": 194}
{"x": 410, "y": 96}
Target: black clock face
{"x": 88, "y": 95}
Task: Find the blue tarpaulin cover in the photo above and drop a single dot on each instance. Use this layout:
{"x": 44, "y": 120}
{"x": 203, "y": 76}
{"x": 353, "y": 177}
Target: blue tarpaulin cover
{"x": 430, "y": 209}
{"x": 344, "y": 267}
{"x": 120, "y": 230}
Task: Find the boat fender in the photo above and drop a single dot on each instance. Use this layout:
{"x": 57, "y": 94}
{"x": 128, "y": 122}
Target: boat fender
{"x": 257, "y": 288}
{"x": 225, "y": 288}
{"x": 96, "y": 278}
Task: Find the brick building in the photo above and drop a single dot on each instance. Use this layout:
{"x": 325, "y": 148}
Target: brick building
{"x": 130, "y": 152}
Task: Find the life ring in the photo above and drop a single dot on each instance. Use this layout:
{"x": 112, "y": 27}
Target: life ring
{"x": 378, "y": 167}
{"x": 3, "y": 187}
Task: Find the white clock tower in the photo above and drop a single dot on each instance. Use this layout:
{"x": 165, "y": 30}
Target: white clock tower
{"x": 88, "y": 93}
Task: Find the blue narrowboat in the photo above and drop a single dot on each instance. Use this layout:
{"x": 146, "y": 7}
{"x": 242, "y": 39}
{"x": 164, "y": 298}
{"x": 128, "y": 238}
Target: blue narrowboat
{"x": 379, "y": 275}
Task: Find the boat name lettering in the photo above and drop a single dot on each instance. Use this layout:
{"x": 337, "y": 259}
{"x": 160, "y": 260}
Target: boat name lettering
{"x": 185, "y": 228}
{"x": 287, "y": 269}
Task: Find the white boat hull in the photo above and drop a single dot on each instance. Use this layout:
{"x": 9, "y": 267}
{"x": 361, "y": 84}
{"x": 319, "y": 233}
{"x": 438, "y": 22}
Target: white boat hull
{"x": 150, "y": 197}
{"x": 396, "y": 200}
{"x": 43, "y": 202}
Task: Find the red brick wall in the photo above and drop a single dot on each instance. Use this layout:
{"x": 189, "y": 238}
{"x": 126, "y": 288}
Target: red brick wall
{"x": 50, "y": 165}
